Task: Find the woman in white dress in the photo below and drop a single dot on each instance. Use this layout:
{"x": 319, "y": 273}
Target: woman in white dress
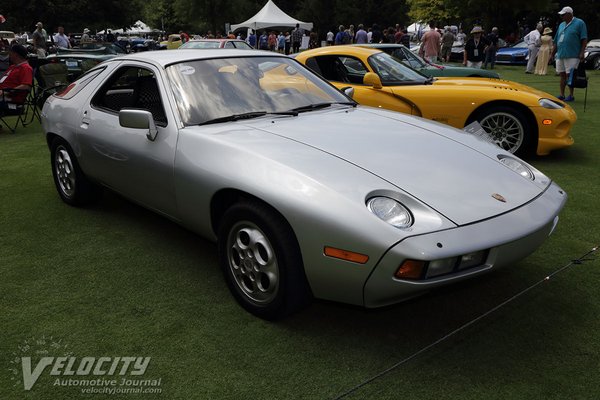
{"x": 543, "y": 57}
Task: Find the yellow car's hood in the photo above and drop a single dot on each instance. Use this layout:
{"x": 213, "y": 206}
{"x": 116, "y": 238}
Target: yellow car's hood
{"x": 499, "y": 84}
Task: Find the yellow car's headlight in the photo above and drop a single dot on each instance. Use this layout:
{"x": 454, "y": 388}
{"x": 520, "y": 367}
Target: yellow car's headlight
{"x": 547, "y": 103}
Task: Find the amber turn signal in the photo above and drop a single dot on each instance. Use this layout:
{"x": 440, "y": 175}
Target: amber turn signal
{"x": 410, "y": 269}
{"x": 547, "y": 122}
{"x": 346, "y": 255}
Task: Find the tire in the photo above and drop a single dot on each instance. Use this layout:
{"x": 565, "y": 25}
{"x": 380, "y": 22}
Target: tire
{"x": 261, "y": 261}
{"x": 509, "y": 128}
{"x": 72, "y": 185}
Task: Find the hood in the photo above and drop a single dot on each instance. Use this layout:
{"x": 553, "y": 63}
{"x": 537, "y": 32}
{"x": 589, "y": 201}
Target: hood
{"x": 501, "y": 84}
{"x": 453, "y": 172}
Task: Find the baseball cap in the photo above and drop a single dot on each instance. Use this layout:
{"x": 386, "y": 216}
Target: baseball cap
{"x": 19, "y": 49}
{"x": 566, "y": 10}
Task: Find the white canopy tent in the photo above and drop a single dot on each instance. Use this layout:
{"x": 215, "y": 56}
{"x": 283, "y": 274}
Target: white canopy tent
{"x": 138, "y": 28}
{"x": 271, "y": 16}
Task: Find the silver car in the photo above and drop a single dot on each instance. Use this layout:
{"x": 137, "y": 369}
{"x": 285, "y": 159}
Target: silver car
{"x": 306, "y": 193}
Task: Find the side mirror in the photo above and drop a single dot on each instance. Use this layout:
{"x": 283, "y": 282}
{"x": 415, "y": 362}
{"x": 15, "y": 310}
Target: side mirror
{"x": 138, "y": 119}
{"x": 372, "y": 79}
{"x": 348, "y": 91}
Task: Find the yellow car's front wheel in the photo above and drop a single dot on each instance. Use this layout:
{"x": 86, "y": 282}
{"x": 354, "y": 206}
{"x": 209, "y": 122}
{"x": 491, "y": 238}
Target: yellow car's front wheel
{"x": 508, "y": 127}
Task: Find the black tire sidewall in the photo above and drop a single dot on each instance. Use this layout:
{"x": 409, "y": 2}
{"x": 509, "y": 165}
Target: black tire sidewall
{"x": 292, "y": 292}
{"x": 85, "y": 192}
{"x": 529, "y": 142}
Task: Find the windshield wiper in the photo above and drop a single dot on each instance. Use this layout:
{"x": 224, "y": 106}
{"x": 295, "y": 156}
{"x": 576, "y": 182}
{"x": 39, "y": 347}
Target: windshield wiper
{"x": 248, "y": 115}
{"x": 317, "y": 106}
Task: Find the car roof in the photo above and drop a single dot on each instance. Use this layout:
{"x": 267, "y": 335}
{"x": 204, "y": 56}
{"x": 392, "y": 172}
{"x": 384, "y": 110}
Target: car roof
{"x": 167, "y": 57}
{"x": 342, "y": 49}
{"x": 216, "y": 40}
{"x": 382, "y": 45}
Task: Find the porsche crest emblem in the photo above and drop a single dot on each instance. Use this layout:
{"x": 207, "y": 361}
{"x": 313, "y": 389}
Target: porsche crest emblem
{"x": 499, "y": 197}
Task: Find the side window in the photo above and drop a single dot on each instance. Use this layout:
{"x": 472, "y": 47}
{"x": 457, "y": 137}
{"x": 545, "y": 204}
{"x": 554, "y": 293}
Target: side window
{"x": 229, "y": 45}
{"x": 131, "y": 87}
{"x": 356, "y": 70}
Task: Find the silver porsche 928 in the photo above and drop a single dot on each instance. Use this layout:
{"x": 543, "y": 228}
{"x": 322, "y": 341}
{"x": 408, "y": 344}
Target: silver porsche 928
{"x": 306, "y": 193}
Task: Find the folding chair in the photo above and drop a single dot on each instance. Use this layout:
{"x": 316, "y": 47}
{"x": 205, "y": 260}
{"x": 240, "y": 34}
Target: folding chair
{"x": 51, "y": 78}
{"x": 10, "y": 107}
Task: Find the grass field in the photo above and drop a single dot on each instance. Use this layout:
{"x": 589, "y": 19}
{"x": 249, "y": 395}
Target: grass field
{"x": 116, "y": 280}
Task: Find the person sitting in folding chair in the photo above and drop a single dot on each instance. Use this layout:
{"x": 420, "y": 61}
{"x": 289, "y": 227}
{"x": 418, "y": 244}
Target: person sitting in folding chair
{"x": 16, "y": 82}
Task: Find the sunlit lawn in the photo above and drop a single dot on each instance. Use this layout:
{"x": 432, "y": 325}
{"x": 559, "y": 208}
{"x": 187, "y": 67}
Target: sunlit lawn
{"x": 116, "y": 280}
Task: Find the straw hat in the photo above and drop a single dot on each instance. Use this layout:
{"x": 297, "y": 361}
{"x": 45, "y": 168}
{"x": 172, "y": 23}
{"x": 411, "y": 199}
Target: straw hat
{"x": 476, "y": 29}
{"x": 547, "y": 31}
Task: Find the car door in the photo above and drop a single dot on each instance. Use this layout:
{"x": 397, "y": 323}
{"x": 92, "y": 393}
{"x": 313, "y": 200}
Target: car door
{"x": 125, "y": 159}
{"x": 347, "y": 71}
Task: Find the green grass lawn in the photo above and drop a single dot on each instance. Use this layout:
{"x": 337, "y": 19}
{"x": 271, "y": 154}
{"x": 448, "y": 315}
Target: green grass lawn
{"x": 116, "y": 280}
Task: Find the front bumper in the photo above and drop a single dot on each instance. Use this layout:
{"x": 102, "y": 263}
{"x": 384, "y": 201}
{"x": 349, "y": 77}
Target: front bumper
{"x": 556, "y": 135}
{"x": 509, "y": 238}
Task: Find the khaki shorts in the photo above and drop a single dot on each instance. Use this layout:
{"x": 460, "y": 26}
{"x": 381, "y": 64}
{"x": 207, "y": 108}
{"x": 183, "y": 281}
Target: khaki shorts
{"x": 566, "y": 64}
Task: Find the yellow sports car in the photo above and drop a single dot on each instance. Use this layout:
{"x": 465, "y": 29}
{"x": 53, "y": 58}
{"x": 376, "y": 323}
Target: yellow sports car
{"x": 520, "y": 119}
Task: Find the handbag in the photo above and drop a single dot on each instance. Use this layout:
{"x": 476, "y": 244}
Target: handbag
{"x": 578, "y": 77}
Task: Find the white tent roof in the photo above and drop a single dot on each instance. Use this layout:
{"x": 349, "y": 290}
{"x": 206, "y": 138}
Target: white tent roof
{"x": 137, "y": 28}
{"x": 271, "y": 16}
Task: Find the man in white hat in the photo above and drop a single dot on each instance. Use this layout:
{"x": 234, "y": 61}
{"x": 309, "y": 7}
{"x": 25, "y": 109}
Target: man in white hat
{"x": 569, "y": 48}
{"x": 86, "y": 36}
{"x": 474, "y": 51}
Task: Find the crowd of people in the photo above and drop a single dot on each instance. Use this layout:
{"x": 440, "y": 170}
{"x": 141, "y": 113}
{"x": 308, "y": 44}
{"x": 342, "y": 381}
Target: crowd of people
{"x": 567, "y": 47}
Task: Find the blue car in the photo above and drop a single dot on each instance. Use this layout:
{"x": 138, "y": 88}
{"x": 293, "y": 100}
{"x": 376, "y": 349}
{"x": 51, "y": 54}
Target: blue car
{"x": 515, "y": 54}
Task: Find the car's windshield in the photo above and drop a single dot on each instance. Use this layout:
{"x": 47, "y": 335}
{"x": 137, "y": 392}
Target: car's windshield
{"x": 393, "y": 72}
{"x": 201, "y": 45}
{"x": 207, "y": 90}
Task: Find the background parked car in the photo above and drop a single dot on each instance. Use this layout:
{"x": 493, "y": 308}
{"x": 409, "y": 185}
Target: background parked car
{"x": 410, "y": 59}
{"x": 592, "y": 54}
{"x": 172, "y": 42}
{"x": 516, "y": 54}
{"x": 216, "y": 44}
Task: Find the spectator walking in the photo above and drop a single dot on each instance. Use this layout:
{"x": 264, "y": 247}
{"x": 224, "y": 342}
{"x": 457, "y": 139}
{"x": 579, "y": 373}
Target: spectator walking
{"x": 85, "y": 38}
{"x": 492, "y": 48}
{"x": 342, "y": 36}
{"x": 569, "y": 48}
{"x": 376, "y": 35}
{"x": 329, "y": 38}
{"x": 296, "y": 38}
{"x": 447, "y": 42}
{"x": 541, "y": 65}
{"x": 430, "y": 44}
{"x": 361, "y": 35}
{"x": 61, "y": 39}
{"x": 252, "y": 39}
{"x": 281, "y": 43}
{"x": 263, "y": 41}
{"x": 110, "y": 37}
{"x": 272, "y": 41}
{"x": 40, "y": 37}
{"x": 288, "y": 43}
{"x": 461, "y": 37}
{"x": 532, "y": 40}
{"x": 474, "y": 49}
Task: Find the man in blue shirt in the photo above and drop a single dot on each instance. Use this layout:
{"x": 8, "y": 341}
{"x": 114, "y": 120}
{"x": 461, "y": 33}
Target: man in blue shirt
{"x": 569, "y": 48}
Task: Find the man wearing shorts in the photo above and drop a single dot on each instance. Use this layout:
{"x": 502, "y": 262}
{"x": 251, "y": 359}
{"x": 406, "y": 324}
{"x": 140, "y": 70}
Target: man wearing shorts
{"x": 569, "y": 48}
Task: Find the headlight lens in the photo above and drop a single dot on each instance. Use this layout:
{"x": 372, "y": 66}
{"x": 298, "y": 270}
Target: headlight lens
{"x": 547, "y": 103}
{"x": 518, "y": 166}
{"x": 587, "y": 53}
{"x": 390, "y": 211}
